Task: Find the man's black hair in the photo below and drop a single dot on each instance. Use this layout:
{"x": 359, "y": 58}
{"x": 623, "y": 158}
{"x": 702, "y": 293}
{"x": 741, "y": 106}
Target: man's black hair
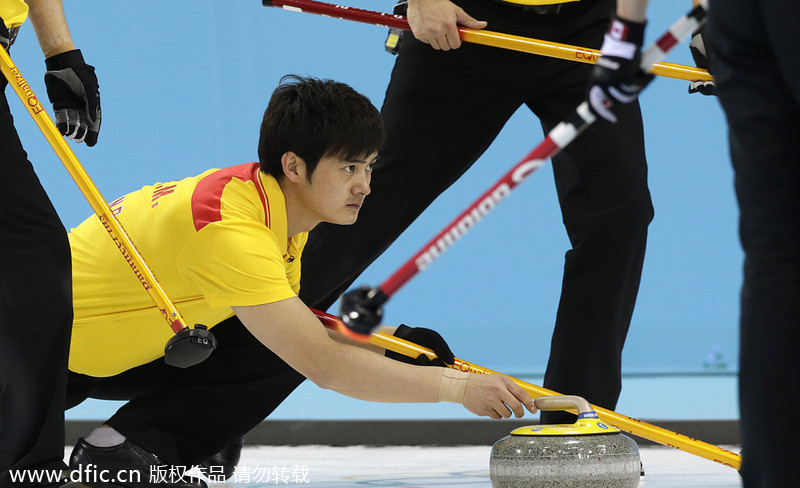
{"x": 315, "y": 118}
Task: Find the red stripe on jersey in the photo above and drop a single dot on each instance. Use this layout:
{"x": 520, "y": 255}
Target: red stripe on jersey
{"x": 262, "y": 192}
{"x": 207, "y": 195}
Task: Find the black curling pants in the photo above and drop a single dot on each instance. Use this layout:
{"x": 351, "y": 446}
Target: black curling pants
{"x": 35, "y": 314}
{"x": 442, "y": 111}
{"x": 187, "y": 415}
{"x": 758, "y": 78}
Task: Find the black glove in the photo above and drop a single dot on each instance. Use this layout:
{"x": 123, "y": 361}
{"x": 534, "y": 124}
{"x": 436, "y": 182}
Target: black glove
{"x": 618, "y": 76}
{"x": 73, "y": 89}
{"x": 7, "y": 35}
{"x": 698, "y": 48}
{"x": 427, "y": 338}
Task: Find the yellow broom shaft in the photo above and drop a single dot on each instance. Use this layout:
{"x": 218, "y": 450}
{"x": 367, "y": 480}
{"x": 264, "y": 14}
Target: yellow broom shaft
{"x": 571, "y": 53}
{"x": 90, "y": 191}
{"x": 487, "y": 38}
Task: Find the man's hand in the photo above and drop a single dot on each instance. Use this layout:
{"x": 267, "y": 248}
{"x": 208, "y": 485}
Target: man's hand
{"x": 496, "y": 396}
{"x": 74, "y": 92}
{"x": 436, "y": 22}
{"x": 697, "y": 46}
{"x": 618, "y": 77}
{"x": 427, "y": 338}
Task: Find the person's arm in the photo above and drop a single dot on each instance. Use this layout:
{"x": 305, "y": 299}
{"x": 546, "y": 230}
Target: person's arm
{"x": 633, "y": 10}
{"x": 71, "y": 83}
{"x": 290, "y": 330}
{"x": 50, "y": 25}
{"x": 436, "y": 22}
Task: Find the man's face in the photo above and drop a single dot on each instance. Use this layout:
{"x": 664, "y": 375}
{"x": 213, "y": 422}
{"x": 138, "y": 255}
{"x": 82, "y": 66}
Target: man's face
{"x": 337, "y": 188}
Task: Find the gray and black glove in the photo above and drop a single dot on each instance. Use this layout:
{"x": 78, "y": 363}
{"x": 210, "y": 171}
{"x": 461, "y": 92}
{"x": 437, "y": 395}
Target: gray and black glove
{"x": 697, "y": 46}
{"x": 618, "y": 76}
{"x": 427, "y": 338}
{"x": 74, "y": 92}
{"x": 7, "y": 35}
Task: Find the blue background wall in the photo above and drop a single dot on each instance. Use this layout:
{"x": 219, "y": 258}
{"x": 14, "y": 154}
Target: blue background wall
{"x": 184, "y": 84}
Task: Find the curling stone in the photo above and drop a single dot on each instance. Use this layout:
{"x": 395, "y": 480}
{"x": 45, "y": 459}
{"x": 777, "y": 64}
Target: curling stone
{"x": 585, "y": 454}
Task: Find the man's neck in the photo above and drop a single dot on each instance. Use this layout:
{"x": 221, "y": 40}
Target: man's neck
{"x": 298, "y": 218}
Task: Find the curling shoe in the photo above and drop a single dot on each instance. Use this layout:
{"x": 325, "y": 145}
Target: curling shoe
{"x": 127, "y": 465}
{"x": 222, "y": 465}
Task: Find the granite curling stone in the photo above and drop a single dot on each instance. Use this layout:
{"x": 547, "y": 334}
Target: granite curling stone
{"x": 585, "y": 454}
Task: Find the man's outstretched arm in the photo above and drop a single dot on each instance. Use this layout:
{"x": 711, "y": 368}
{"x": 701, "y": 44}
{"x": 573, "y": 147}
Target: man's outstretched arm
{"x": 290, "y": 330}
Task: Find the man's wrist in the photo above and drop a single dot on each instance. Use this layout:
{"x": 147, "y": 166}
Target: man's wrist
{"x": 623, "y": 39}
{"x": 635, "y": 10}
{"x": 63, "y": 60}
{"x": 453, "y": 385}
{"x": 58, "y": 49}
{"x": 626, "y": 30}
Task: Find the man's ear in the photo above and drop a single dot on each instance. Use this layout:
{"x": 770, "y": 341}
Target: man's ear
{"x": 294, "y": 168}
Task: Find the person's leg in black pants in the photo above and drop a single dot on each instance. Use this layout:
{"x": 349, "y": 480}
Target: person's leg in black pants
{"x": 35, "y": 314}
{"x": 187, "y": 415}
{"x": 601, "y": 180}
{"x": 758, "y": 87}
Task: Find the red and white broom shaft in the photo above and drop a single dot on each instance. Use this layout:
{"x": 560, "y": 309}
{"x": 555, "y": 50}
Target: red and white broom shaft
{"x": 558, "y": 138}
{"x": 342, "y": 12}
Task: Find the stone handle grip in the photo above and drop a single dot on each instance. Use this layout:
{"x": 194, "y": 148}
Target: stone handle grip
{"x": 563, "y": 402}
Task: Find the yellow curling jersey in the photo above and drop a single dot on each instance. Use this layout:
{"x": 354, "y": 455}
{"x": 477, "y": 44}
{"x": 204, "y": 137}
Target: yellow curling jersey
{"x": 13, "y": 12}
{"x": 213, "y": 241}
